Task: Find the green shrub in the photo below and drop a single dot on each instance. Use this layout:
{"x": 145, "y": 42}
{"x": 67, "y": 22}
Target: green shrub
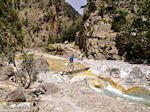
{"x": 44, "y": 45}
{"x": 28, "y": 65}
{"x": 121, "y": 11}
{"x": 118, "y": 23}
{"x": 69, "y": 34}
{"x": 133, "y": 48}
{"x": 86, "y": 16}
{"x": 50, "y": 3}
{"x": 91, "y": 6}
{"x": 119, "y": 20}
{"x": 27, "y": 60}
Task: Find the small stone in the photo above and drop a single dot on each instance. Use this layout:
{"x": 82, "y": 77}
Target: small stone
{"x": 13, "y": 106}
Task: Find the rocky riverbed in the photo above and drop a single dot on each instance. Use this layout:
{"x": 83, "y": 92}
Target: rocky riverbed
{"x": 52, "y": 92}
{"x": 122, "y": 73}
{"x": 73, "y": 93}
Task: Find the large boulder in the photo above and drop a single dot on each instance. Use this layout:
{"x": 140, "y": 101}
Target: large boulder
{"x": 17, "y": 95}
{"x": 135, "y": 75}
{"x": 136, "y": 78}
{"x": 40, "y": 65}
{"x": 6, "y": 72}
{"x": 5, "y": 88}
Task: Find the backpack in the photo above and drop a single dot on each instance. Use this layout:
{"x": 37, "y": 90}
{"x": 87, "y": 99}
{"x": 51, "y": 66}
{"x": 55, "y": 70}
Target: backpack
{"x": 71, "y": 59}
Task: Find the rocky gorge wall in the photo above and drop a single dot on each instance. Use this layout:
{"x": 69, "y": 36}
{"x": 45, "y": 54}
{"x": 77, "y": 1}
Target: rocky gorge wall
{"x": 97, "y": 29}
{"x": 99, "y": 41}
{"x": 44, "y": 20}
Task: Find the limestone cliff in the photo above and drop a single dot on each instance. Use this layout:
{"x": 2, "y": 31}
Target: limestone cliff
{"x": 97, "y": 37}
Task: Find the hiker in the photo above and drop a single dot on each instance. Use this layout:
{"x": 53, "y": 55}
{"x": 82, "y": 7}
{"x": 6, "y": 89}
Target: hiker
{"x": 71, "y": 61}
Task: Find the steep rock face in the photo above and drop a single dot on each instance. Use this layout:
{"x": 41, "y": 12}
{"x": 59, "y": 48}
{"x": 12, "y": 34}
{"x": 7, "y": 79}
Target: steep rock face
{"x": 100, "y": 38}
{"x": 100, "y": 43}
{"x": 43, "y": 20}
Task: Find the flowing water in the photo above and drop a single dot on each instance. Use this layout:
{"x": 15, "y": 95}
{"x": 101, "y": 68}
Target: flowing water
{"x": 113, "y": 92}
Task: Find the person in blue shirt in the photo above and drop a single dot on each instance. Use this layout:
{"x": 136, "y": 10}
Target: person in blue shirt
{"x": 71, "y": 62}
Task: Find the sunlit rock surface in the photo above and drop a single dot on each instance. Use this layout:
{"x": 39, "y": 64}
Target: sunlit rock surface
{"x": 90, "y": 90}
